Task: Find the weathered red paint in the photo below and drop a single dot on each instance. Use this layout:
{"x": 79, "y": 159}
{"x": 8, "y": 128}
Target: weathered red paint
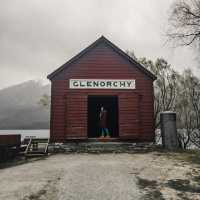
{"x": 101, "y": 61}
{"x": 10, "y": 140}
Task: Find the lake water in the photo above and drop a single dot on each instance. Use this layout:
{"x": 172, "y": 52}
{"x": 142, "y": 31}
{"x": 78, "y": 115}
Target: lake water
{"x": 43, "y": 133}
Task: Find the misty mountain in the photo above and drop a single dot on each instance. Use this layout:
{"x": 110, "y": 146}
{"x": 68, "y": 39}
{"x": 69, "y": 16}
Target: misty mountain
{"x": 19, "y": 107}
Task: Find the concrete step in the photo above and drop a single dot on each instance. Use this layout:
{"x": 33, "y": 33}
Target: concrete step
{"x": 103, "y": 147}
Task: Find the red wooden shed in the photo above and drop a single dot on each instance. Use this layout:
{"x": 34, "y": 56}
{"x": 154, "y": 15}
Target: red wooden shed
{"x": 102, "y": 75}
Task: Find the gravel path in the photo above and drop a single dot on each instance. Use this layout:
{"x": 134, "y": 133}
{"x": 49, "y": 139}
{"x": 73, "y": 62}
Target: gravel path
{"x": 93, "y": 177}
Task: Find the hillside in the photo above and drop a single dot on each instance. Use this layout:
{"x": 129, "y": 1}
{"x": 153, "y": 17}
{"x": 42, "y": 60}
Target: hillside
{"x": 19, "y": 108}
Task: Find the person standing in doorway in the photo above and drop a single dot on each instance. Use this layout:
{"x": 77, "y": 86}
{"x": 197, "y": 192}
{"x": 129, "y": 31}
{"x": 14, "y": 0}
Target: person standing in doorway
{"x": 103, "y": 123}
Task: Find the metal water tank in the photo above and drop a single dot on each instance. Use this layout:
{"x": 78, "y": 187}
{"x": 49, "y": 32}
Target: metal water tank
{"x": 169, "y": 130}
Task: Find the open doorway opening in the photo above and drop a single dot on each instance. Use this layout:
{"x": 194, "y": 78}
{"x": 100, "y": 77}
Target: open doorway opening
{"x": 110, "y": 103}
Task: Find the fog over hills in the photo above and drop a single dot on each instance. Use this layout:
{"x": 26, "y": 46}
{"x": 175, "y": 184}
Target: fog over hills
{"x": 19, "y": 107}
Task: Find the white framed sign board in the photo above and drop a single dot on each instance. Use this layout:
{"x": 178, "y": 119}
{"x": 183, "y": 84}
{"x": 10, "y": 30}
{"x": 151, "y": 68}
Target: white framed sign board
{"x": 124, "y": 84}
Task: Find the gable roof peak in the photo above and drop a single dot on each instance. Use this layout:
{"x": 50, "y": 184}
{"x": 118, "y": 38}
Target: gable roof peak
{"x": 102, "y": 38}
{"x": 114, "y": 47}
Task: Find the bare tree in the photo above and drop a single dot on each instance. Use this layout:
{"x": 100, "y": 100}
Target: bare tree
{"x": 176, "y": 92}
{"x": 164, "y": 86}
{"x": 194, "y": 95}
{"x": 45, "y": 101}
{"x": 188, "y": 109}
{"x": 131, "y": 54}
{"x": 184, "y": 23}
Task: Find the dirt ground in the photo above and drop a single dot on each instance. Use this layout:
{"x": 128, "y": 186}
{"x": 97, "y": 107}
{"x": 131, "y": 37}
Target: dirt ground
{"x": 152, "y": 175}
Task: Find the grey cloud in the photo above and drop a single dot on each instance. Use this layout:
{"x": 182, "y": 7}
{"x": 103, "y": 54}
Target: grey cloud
{"x": 37, "y": 36}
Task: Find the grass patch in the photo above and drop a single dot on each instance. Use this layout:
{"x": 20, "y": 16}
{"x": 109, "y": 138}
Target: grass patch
{"x": 35, "y": 196}
{"x": 144, "y": 183}
{"x": 20, "y": 161}
{"x": 151, "y": 189}
{"x": 183, "y": 196}
{"x": 196, "y": 179}
{"x": 189, "y": 156}
{"x": 183, "y": 186}
{"x": 155, "y": 194}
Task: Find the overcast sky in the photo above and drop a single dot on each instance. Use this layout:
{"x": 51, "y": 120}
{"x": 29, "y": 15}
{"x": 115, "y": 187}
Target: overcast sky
{"x": 37, "y": 36}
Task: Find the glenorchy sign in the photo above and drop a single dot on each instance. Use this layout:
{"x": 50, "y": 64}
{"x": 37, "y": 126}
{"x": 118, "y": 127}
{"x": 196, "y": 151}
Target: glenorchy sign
{"x": 101, "y": 84}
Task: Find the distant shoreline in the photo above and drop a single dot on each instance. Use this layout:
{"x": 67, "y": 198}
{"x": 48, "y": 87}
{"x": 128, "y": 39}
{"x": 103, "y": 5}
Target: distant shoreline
{"x": 38, "y": 133}
{"x": 24, "y": 128}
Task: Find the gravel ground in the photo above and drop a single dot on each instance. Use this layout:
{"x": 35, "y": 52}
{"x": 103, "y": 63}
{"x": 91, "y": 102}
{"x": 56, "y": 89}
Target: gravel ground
{"x": 101, "y": 177}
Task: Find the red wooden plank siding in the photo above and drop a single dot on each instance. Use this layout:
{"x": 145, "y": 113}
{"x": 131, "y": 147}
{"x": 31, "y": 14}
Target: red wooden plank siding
{"x": 76, "y": 116}
{"x": 69, "y": 107}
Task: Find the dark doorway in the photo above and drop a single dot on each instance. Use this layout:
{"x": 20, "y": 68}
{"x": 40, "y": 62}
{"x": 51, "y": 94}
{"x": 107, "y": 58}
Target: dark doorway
{"x": 110, "y": 103}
